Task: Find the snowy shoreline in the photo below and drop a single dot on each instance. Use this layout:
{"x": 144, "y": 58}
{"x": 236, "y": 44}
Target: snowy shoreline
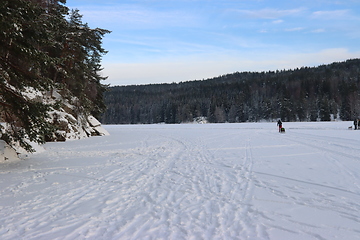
{"x": 188, "y": 181}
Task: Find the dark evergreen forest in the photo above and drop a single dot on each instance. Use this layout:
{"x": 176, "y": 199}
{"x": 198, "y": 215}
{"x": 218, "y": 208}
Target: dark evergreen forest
{"x": 306, "y": 94}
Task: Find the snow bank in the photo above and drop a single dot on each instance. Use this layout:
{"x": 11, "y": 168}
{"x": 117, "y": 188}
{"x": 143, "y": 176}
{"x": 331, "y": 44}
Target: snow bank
{"x": 6, "y": 152}
{"x": 201, "y": 120}
{"x": 71, "y": 124}
{"x": 96, "y": 126}
{"x": 71, "y": 128}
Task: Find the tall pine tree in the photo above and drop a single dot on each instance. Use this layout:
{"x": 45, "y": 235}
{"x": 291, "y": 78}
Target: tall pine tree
{"x": 41, "y": 49}
{"x": 23, "y": 66}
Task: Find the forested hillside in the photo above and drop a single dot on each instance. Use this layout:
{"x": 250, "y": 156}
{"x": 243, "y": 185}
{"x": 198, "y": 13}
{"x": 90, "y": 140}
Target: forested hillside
{"x": 305, "y": 94}
{"x": 49, "y": 72}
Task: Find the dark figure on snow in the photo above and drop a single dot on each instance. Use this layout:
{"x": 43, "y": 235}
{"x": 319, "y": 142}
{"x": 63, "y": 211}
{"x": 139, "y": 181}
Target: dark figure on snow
{"x": 279, "y": 123}
{"x": 355, "y": 124}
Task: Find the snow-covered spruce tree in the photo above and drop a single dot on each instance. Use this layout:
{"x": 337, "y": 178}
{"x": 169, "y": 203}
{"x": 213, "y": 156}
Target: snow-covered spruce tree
{"x": 42, "y": 50}
{"x": 23, "y": 65}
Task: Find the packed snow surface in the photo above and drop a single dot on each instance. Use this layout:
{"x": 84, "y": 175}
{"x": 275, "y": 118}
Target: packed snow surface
{"x": 189, "y": 181}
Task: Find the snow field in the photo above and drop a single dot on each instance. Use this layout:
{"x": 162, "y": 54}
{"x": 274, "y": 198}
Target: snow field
{"x": 190, "y": 181}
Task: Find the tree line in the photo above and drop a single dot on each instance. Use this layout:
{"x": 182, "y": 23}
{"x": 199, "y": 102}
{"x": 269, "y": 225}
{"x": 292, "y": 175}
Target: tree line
{"x": 304, "y": 94}
{"x": 45, "y": 46}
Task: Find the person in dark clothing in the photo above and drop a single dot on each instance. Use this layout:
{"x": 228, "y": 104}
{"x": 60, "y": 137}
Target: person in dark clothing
{"x": 279, "y": 123}
{"x": 355, "y": 124}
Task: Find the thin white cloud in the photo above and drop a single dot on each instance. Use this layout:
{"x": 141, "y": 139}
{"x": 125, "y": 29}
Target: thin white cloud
{"x": 296, "y": 29}
{"x": 324, "y": 56}
{"x": 335, "y": 14}
{"x": 320, "y": 30}
{"x": 134, "y": 17}
{"x": 269, "y": 13}
{"x": 278, "y": 21}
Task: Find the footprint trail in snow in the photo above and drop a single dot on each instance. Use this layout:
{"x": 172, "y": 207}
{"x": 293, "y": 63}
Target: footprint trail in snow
{"x": 222, "y": 181}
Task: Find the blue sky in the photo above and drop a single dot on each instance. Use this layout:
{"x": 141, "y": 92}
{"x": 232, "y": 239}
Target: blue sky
{"x": 162, "y": 41}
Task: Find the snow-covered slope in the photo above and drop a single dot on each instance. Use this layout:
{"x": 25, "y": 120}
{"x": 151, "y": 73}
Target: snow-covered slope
{"x": 6, "y": 152}
{"x": 194, "y": 181}
{"x": 71, "y": 123}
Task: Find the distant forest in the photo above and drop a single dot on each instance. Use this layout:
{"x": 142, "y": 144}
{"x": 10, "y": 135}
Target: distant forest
{"x": 303, "y": 94}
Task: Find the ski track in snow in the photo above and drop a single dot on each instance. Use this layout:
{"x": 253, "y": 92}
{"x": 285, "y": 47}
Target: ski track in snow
{"x": 213, "y": 181}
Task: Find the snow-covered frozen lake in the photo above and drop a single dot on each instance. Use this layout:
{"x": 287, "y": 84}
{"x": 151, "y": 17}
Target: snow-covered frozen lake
{"x": 190, "y": 181}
